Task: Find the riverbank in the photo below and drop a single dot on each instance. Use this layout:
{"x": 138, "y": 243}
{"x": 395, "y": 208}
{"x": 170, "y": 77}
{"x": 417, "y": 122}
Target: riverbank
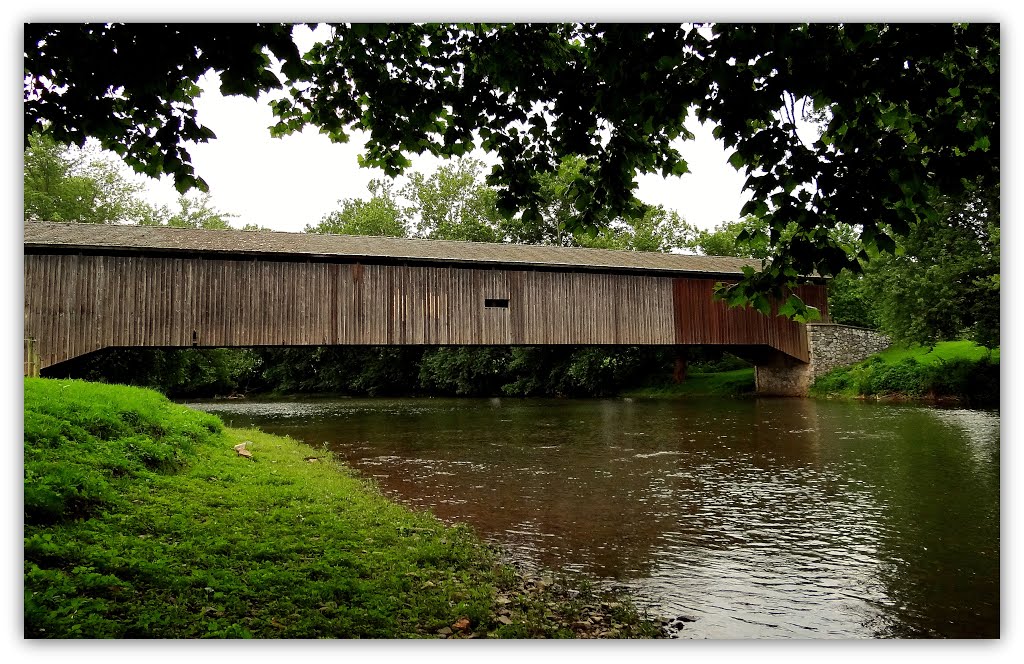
{"x": 948, "y": 373}
{"x": 146, "y": 519}
{"x": 951, "y": 372}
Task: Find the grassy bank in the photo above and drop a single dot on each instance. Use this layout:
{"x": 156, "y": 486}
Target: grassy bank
{"x": 143, "y": 520}
{"x": 954, "y": 370}
{"x": 721, "y": 384}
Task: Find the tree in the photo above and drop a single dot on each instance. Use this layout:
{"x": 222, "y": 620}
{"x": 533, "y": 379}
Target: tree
{"x": 381, "y": 215}
{"x": 64, "y": 184}
{"x": 193, "y": 212}
{"x": 852, "y": 300}
{"x": 173, "y": 371}
{"x": 746, "y": 238}
{"x": 558, "y": 208}
{"x": 465, "y": 370}
{"x": 454, "y": 203}
{"x": 912, "y": 110}
{"x": 943, "y": 283}
{"x": 657, "y": 229}
{"x": 652, "y": 229}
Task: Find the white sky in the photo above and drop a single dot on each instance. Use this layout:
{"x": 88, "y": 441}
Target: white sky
{"x": 286, "y": 183}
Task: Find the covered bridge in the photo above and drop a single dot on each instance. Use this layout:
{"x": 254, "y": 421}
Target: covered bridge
{"x": 89, "y": 287}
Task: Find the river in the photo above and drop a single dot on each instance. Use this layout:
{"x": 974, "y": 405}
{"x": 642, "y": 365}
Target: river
{"x": 751, "y": 518}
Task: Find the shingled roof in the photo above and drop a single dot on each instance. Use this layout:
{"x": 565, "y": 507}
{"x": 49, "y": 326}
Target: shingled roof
{"x": 41, "y": 236}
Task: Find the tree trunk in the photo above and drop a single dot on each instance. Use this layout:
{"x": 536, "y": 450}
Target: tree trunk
{"x": 679, "y": 371}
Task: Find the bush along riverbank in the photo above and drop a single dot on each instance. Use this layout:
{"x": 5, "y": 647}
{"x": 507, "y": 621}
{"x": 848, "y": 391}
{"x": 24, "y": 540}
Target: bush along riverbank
{"x": 146, "y": 519}
{"x": 957, "y": 372}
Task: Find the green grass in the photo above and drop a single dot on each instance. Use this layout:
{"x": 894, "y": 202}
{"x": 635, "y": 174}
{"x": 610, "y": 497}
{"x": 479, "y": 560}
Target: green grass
{"x": 959, "y": 370}
{"x": 141, "y": 520}
{"x": 942, "y": 352}
{"x": 723, "y": 383}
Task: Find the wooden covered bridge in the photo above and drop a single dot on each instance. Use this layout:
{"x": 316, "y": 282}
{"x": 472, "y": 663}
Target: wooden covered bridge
{"x": 89, "y": 287}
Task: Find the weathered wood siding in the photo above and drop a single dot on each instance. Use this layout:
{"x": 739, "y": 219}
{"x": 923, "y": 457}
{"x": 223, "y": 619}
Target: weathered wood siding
{"x": 700, "y": 320}
{"x": 31, "y": 358}
{"x": 76, "y": 303}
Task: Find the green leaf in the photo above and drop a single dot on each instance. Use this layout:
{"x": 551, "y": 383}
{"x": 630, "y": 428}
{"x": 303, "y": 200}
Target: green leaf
{"x": 737, "y": 161}
{"x": 790, "y": 307}
{"x": 680, "y": 168}
{"x": 808, "y": 315}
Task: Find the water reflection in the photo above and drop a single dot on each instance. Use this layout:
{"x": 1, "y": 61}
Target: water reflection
{"x": 765, "y": 518}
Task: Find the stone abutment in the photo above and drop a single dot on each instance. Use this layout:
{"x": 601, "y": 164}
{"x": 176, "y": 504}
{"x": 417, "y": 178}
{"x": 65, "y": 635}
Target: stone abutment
{"x": 831, "y": 345}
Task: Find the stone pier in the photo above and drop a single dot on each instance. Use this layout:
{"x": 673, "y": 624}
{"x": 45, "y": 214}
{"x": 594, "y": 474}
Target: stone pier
{"x": 831, "y": 346}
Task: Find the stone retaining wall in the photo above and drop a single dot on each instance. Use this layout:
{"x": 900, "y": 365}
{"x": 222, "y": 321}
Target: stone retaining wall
{"x": 834, "y": 345}
{"x": 831, "y": 346}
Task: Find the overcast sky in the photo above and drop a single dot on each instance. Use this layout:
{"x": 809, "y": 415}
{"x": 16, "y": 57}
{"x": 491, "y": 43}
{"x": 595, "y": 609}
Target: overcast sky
{"x": 286, "y": 183}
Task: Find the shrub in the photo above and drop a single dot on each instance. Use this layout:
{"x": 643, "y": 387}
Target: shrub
{"x": 904, "y": 377}
{"x": 833, "y": 382}
{"x": 952, "y": 369}
{"x": 976, "y": 381}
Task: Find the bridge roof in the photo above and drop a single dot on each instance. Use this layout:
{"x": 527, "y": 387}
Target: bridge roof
{"x": 42, "y": 236}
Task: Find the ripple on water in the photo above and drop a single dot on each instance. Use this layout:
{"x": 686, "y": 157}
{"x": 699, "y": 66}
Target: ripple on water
{"x": 761, "y": 519}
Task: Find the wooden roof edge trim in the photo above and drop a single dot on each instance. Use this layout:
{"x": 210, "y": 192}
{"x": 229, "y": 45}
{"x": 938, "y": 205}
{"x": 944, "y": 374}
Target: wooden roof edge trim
{"x": 466, "y": 244}
{"x": 392, "y": 258}
{"x": 561, "y": 257}
{"x": 373, "y": 259}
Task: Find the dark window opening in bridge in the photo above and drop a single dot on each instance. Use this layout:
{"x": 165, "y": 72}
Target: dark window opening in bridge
{"x": 495, "y": 303}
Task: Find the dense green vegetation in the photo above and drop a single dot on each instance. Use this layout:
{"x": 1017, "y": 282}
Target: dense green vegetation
{"x": 455, "y": 203}
{"x": 142, "y": 520}
{"x": 961, "y": 370}
{"x": 941, "y": 285}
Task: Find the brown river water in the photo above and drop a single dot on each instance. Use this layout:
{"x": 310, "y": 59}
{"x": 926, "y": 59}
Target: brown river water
{"x": 759, "y": 518}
